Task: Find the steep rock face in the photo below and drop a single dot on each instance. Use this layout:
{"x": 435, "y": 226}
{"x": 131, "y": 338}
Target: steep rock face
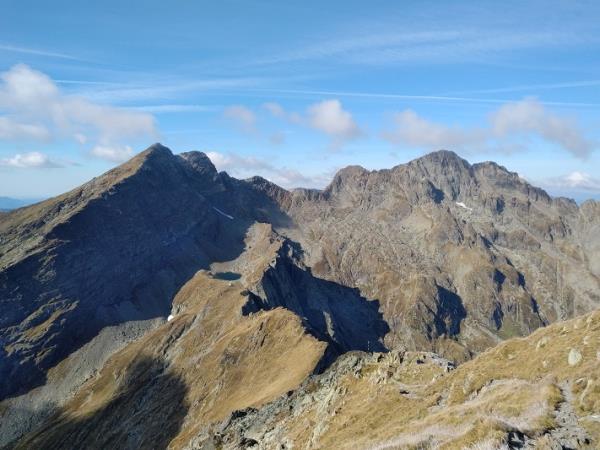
{"x": 589, "y": 229}
{"x": 332, "y": 312}
{"x": 509, "y": 256}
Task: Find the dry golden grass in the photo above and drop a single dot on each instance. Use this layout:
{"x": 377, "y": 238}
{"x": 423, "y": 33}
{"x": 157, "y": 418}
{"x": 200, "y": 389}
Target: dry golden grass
{"x": 412, "y": 404}
{"x": 512, "y": 387}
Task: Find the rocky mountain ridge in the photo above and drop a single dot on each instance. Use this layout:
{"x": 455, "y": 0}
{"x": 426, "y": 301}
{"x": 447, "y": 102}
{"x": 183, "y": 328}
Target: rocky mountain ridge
{"x": 398, "y": 234}
{"x": 434, "y": 255}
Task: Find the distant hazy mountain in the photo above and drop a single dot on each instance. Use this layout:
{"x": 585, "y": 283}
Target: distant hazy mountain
{"x": 166, "y": 304}
{"x": 579, "y": 196}
{"x": 9, "y": 203}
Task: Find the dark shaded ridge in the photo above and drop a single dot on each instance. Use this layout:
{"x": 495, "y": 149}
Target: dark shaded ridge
{"x": 121, "y": 258}
{"x": 147, "y": 412}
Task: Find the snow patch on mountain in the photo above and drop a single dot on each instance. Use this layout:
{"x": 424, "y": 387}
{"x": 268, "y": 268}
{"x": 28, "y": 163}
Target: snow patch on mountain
{"x": 462, "y": 205}
{"x": 222, "y": 213}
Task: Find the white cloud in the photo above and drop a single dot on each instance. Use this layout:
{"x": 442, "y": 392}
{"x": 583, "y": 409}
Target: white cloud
{"x": 576, "y": 181}
{"x": 582, "y": 180}
{"x": 290, "y": 178}
{"x": 42, "y": 111}
{"x": 577, "y": 184}
{"x": 114, "y": 153}
{"x": 329, "y": 117}
{"x": 242, "y": 116}
{"x": 275, "y": 109}
{"x": 12, "y": 130}
{"x": 28, "y": 160}
{"x": 530, "y": 117}
{"x": 414, "y": 130}
{"x": 279, "y": 111}
{"x": 507, "y": 126}
{"x": 232, "y": 161}
{"x": 247, "y": 166}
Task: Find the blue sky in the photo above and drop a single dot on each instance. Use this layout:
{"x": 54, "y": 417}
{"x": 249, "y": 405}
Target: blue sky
{"x": 296, "y": 90}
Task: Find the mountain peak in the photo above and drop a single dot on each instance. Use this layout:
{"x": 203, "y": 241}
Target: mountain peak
{"x": 443, "y": 158}
{"x": 349, "y": 172}
{"x": 347, "y": 176}
{"x": 199, "y": 162}
{"x": 157, "y": 155}
{"x": 156, "y": 150}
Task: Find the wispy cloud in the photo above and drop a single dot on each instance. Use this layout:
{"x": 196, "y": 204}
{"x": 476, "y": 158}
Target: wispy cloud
{"x": 509, "y": 123}
{"x": 242, "y": 117}
{"x": 413, "y": 97}
{"x": 173, "y": 108}
{"x": 425, "y": 46}
{"x": 279, "y": 112}
{"x": 576, "y": 180}
{"x": 277, "y": 138}
{"x": 347, "y": 47}
{"x": 275, "y": 109}
{"x": 11, "y": 129}
{"x": 531, "y": 87}
{"x": 161, "y": 89}
{"x": 33, "y": 51}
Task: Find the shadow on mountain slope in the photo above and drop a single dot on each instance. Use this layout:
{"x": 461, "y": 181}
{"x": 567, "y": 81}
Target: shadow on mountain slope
{"x": 146, "y": 410}
{"x": 119, "y": 256}
{"x": 92, "y": 283}
{"x": 330, "y": 311}
{"x": 451, "y": 313}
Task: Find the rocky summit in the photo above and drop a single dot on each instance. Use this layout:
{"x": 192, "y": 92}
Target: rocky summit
{"x": 436, "y": 304}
